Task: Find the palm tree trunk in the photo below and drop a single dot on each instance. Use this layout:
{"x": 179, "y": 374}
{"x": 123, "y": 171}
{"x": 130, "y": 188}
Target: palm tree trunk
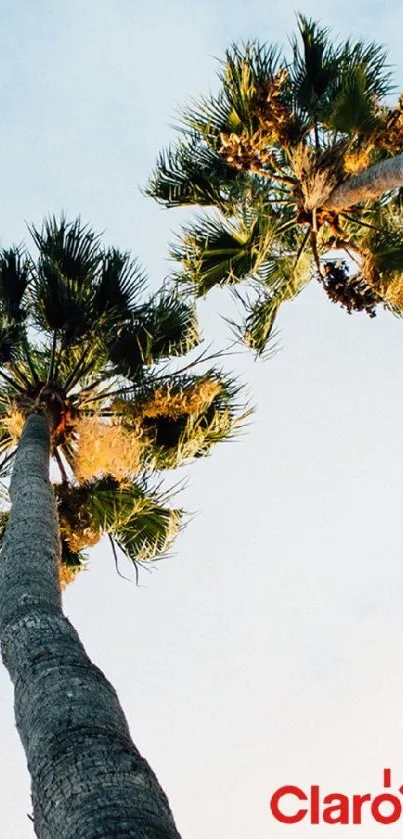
{"x": 88, "y": 779}
{"x": 368, "y": 185}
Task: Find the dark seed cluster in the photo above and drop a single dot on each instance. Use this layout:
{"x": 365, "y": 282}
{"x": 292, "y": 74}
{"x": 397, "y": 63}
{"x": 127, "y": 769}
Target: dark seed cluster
{"x": 352, "y": 293}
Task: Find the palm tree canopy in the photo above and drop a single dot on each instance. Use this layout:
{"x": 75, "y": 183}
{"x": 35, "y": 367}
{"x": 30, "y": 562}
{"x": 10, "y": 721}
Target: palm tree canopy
{"x": 82, "y": 342}
{"x": 270, "y": 158}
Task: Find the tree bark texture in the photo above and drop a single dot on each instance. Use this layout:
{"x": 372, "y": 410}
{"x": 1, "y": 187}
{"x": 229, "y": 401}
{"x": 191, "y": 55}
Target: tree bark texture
{"x": 88, "y": 779}
{"x": 368, "y": 185}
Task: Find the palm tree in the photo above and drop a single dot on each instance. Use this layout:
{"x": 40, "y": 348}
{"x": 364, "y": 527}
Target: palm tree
{"x": 297, "y": 163}
{"x": 86, "y": 386}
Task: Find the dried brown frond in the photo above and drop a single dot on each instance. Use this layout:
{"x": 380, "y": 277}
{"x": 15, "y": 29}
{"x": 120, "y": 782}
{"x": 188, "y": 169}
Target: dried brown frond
{"x": 370, "y": 272}
{"x": 106, "y": 449}
{"x": 192, "y": 400}
{"x": 75, "y": 518}
{"x": 317, "y": 175}
{"x": 171, "y": 402}
{"x": 394, "y": 293}
{"x": 245, "y": 152}
{"x": 389, "y": 289}
{"x": 14, "y": 422}
{"x": 79, "y": 538}
{"x": 358, "y": 161}
{"x": 68, "y": 574}
{"x": 278, "y": 123}
{"x": 391, "y": 136}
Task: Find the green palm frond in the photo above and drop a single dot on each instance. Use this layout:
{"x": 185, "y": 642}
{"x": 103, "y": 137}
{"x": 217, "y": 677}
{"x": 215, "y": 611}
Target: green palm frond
{"x": 15, "y": 271}
{"x": 246, "y": 70}
{"x": 71, "y": 247}
{"x": 353, "y": 108}
{"x": 12, "y": 339}
{"x": 118, "y": 286}
{"x": 186, "y": 419}
{"x": 207, "y": 116}
{"x": 62, "y": 290}
{"x": 137, "y": 518}
{"x": 371, "y": 60}
{"x": 313, "y": 67}
{"x": 284, "y": 278}
{"x": 194, "y": 173}
{"x": 257, "y": 329}
{"x": 165, "y": 326}
{"x": 217, "y": 251}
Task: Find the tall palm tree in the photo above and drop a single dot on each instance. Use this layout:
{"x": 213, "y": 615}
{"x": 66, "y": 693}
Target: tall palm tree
{"x": 297, "y": 163}
{"x": 86, "y": 386}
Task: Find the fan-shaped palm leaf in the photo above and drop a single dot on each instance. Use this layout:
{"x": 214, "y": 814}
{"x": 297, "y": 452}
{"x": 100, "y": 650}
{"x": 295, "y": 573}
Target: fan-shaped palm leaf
{"x": 14, "y": 279}
{"x": 217, "y": 251}
{"x": 135, "y": 516}
{"x": 194, "y": 173}
{"x": 183, "y": 420}
{"x": 165, "y": 326}
{"x": 120, "y": 284}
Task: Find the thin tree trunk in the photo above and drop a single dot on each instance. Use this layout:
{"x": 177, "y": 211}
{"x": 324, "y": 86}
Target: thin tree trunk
{"x": 368, "y": 185}
{"x": 88, "y": 779}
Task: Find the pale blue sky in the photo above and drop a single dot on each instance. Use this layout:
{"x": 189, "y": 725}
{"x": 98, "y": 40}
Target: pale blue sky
{"x": 268, "y": 650}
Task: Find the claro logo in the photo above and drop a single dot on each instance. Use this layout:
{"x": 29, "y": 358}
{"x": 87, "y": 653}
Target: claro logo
{"x": 290, "y": 804}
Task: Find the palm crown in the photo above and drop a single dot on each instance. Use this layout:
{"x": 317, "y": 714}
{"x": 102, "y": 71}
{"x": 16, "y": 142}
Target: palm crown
{"x": 266, "y": 156}
{"x": 79, "y": 339}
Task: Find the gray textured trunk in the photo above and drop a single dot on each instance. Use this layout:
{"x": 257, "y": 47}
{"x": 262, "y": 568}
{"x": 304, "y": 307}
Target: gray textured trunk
{"x": 368, "y": 185}
{"x": 88, "y": 779}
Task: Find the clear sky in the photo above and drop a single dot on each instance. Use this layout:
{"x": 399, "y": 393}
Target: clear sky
{"x": 268, "y": 649}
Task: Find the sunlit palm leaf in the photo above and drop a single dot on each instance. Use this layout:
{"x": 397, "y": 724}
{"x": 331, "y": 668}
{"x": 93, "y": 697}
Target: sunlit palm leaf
{"x": 189, "y": 430}
{"x": 217, "y": 251}
{"x": 246, "y": 69}
{"x": 138, "y": 519}
{"x": 353, "y": 107}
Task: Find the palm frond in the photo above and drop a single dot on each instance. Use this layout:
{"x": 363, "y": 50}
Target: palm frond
{"x": 12, "y": 338}
{"x": 371, "y": 59}
{"x": 353, "y": 108}
{"x": 216, "y": 251}
{"x": 313, "y": 67}
{"x": 136, "y": 517}
{"x": 284, "y": 278}
{"x": 246, "y": 70}
{"x": 71, "y": 247}
{"x": 194, "y": 173}
{"x": 165, "y": 326}
{"x": 257, "y": 329}
{"x": 207, "y": 116}
{"x": 62, "y": 287}
{"x": 15, "y": 270}
{"x": 118, "y": 286}
{"x": 185, "y": 420}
